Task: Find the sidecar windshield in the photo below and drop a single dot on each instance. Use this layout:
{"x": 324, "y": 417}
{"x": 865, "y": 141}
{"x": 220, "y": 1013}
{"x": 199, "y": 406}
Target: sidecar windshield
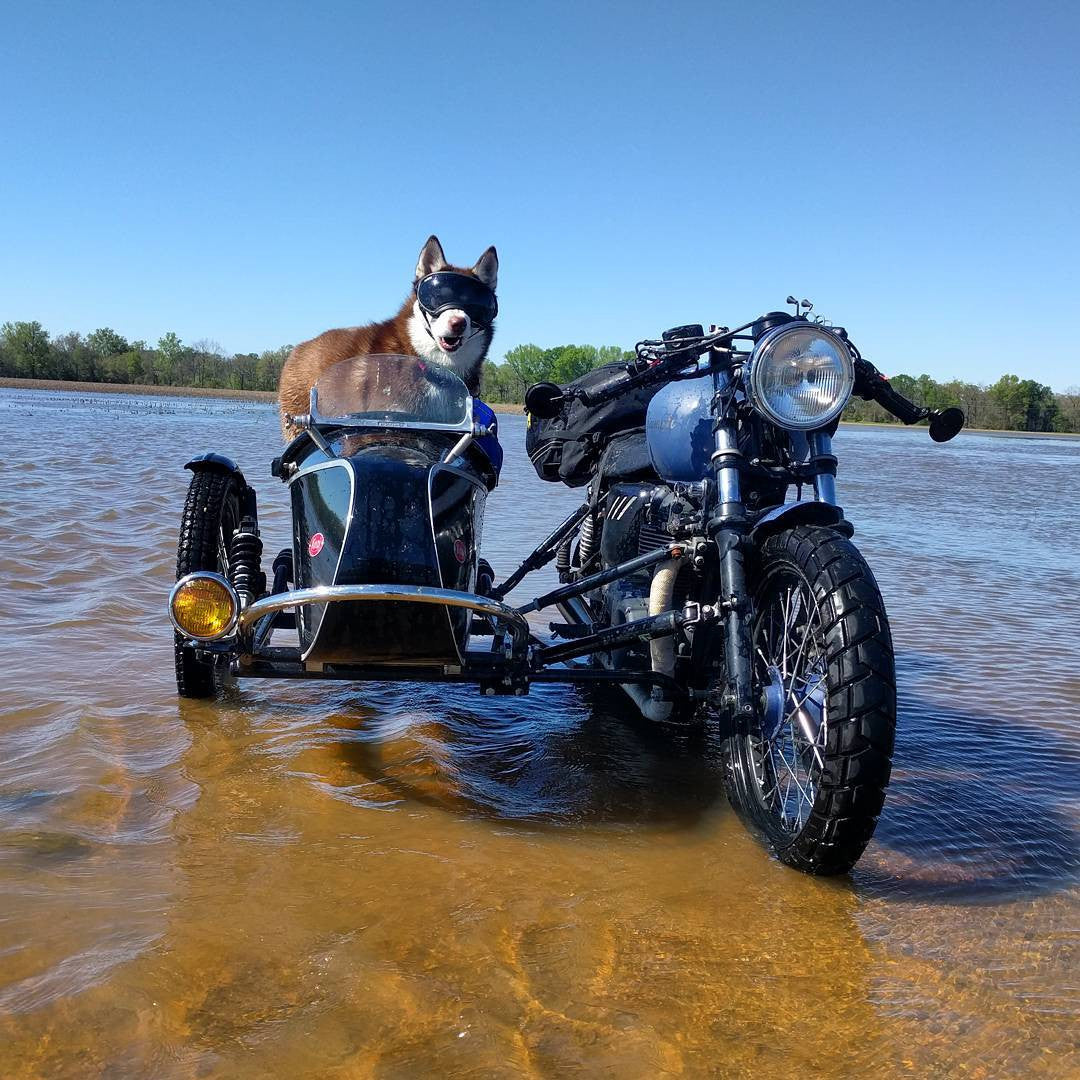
{"x": 392, "y": 391}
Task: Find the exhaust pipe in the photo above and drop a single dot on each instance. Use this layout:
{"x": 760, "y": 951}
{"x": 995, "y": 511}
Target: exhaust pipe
{"x": 661, "y": 650}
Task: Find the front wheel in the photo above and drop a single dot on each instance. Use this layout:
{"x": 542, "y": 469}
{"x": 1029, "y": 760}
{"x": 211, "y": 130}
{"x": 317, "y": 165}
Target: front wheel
{"x": 811, "y": 768}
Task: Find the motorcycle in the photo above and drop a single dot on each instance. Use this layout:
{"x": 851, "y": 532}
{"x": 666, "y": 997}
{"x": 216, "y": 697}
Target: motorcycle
{"x": 687, "y": 577}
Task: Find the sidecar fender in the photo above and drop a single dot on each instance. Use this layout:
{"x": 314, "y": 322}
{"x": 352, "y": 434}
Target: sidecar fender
{"x": 212, "y": 462}
{"x": 789, "y": 515}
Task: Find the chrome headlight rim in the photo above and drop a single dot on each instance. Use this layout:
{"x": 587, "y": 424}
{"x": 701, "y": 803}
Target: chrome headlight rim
{"x": 206, "y": 575}
{"x": 759, "y": 355}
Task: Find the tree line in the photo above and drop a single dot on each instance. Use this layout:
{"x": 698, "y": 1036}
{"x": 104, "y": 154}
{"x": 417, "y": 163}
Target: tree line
{"x": 28, "y": 351}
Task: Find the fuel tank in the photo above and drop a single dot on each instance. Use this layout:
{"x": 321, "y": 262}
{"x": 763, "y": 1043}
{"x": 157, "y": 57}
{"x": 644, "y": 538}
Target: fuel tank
{"x": 387, "y": 513}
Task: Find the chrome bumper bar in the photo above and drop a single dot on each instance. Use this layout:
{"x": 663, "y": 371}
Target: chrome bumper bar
{"x": 412, "y": 594}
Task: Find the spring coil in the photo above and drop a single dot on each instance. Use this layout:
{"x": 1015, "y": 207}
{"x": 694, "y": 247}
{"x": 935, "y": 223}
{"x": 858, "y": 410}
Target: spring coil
{"x": 562, "y": 559}
{"x": 587, "y": 539}
{"x": 245, "y": 551}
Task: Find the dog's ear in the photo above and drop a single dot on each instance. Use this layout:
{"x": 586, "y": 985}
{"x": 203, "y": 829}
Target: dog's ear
{"x": 487, "y": 268}
{"x": 431, "y": 258}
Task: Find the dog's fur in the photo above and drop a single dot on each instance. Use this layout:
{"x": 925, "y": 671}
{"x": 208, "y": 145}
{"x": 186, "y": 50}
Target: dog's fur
{"x": 406, "y": 334}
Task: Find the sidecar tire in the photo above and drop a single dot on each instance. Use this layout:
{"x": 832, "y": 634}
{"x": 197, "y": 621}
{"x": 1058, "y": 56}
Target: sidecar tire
{"x": 211, "y": 515}
{"x": 856, "y": 689}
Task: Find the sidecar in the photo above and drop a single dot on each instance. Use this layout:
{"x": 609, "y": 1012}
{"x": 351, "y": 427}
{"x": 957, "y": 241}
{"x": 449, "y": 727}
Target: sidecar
{"x": 388, "y": 477}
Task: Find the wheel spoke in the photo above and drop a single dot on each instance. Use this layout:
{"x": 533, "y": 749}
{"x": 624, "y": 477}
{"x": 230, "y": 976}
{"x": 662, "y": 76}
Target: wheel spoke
{"x": 805, "y": 698}
{"x": 799, "y": 653}
{"x": 795, "y": 780}
{"x": 787, "y": 642}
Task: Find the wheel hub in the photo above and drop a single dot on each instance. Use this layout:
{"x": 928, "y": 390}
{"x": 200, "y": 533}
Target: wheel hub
{"x": 772, "y": 703}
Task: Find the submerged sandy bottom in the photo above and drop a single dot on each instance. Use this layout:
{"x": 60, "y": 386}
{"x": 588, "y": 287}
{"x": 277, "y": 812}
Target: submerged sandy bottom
{"x": 397, "y": 881}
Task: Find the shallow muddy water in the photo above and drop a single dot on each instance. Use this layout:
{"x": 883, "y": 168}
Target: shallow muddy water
{"x": 400, "y": 881}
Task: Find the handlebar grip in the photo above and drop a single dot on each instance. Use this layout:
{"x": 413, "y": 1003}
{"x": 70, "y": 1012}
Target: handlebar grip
{"x": 870, "y": 383}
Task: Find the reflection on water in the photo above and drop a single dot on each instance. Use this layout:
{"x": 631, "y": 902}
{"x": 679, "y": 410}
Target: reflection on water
{"x": 342, "y": 880}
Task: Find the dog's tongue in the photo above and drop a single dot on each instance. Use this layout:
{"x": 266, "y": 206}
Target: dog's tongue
{"x": 449, "y": 344}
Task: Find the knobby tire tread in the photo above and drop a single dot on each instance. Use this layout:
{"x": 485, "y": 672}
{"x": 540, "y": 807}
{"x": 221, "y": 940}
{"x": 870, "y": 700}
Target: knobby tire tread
{"x": 197, "y": 549}
{"x": 861, "y": 700}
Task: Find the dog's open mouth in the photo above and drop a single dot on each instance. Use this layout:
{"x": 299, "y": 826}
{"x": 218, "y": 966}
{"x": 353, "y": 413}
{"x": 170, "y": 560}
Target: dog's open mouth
{"x": 450, "y": 343}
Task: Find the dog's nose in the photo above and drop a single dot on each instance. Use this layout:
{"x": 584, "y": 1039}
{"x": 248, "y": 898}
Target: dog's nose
{"x": 456, "y": 324}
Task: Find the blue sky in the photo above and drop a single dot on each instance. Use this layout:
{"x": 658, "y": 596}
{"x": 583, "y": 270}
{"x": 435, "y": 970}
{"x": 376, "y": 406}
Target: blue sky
{"x": 256, "y": 173}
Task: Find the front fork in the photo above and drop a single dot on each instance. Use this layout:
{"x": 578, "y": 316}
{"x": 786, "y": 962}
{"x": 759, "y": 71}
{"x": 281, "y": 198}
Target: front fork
{"x": 728, "y": 528}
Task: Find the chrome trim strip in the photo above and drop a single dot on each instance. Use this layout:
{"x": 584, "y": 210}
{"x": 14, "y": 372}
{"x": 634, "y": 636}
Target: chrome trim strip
{"x": 413, "y": 594}
{"x": 333, "y": 463}
{"x": 435, "y": 552}
{"x": 221, "y": 580}
{"x": 317, "y": 419}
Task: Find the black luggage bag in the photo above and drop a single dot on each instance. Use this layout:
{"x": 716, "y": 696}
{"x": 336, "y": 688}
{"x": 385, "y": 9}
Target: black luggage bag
{"x": 567, "y": 448}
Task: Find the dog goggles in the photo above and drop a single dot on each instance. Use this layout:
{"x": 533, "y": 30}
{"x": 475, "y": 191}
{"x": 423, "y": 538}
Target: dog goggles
{"x": 447, "y": 289}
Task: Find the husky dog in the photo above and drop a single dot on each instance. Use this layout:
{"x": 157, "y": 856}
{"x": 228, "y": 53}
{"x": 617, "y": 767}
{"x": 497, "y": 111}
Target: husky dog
{"x": 447, "y": 319}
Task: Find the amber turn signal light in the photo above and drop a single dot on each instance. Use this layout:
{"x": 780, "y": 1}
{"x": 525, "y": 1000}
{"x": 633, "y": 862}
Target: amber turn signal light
{"x": 204, "y": 606}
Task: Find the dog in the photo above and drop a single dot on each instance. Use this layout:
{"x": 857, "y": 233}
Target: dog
{"x": 448, "y": 319}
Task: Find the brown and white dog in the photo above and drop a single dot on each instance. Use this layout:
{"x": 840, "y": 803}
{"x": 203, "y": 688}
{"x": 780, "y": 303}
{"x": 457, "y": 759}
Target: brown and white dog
{"x": 448, "y": 338}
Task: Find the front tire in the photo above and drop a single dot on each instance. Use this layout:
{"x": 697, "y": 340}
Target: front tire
{"x": 211, "y": 516}
{"x": 811, "y": 768}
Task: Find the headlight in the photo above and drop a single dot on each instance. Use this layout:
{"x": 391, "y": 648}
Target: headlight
{"x": 204, "y": 606}
{"x": 800, "y": 376}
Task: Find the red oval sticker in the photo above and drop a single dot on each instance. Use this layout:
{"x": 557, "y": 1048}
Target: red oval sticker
{"x": 315, "y": 544}
{"x": 459, "y": 550}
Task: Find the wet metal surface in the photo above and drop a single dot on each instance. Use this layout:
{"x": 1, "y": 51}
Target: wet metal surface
{"x": 402, "y": 881}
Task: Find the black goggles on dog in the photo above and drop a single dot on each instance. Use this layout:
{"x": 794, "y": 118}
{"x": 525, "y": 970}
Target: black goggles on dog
{"x": 447, "y": 289}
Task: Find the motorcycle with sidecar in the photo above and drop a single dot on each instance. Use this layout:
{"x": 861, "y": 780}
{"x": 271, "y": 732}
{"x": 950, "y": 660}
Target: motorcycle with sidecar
{"x": 688, "y": 577}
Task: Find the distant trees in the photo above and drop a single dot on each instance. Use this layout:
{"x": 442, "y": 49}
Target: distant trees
{"x": 528, "y": 364}
{"x": 27, "y": 351}
{"x": 1010, "y": 404}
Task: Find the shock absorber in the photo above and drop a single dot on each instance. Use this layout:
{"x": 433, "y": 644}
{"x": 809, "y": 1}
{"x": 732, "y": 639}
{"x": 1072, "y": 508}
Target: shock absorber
{"x": 588, "y": 538}
{"x": 245, "y": 572}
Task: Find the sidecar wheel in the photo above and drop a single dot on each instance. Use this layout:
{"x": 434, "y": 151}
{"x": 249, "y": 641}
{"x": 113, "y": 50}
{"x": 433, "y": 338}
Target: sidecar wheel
{"x": 211, "y": 516}
{"x": 812, "y": 770}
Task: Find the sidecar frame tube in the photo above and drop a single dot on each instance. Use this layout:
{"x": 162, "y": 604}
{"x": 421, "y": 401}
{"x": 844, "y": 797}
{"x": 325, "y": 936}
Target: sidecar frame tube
{"x": 284, "y": 663}
{"x": 673, "y": 550}
{"x": 664, "y": 624}
{"x": 543, "y": 553}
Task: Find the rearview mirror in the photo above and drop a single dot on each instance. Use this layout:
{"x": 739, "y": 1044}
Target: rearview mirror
{"x": 543, "y": 400}
{"x": 945, "y": 423}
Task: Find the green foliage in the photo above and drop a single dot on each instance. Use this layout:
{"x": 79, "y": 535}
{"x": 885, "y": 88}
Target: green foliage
{"x": 24, "y": 350}
{"x": 106, "y": 342}
{"x": 528, "y": 364}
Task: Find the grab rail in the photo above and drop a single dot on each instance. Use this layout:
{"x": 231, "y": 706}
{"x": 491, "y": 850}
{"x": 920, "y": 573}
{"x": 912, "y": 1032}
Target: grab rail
{"x": 413, "y": 594}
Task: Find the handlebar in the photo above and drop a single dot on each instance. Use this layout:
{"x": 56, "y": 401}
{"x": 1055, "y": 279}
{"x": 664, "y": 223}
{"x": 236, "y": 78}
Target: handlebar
{"x": 679, "y": 347}
{"x": 616, "y": 383}
{"x": 683, "y": 345}
{"x": 871, "y": 385}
